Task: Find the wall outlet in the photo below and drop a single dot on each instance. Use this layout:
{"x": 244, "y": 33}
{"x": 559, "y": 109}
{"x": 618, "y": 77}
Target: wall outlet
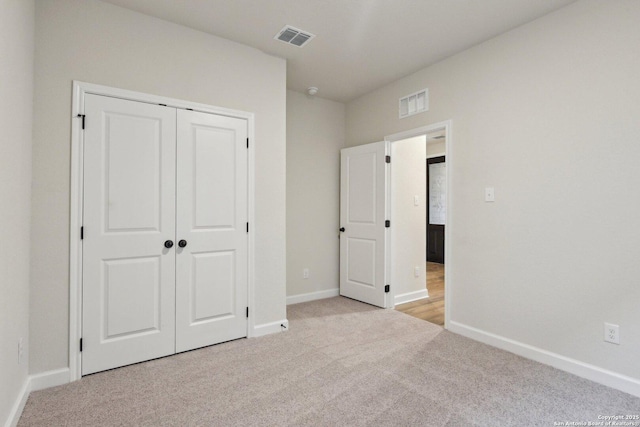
{"x": 20, "y": 351}
{"x": 612, "y": 333}
{"x": 416, "y": 271}
{"x": 305, "y": 273}
{"x": 489, "y": 194}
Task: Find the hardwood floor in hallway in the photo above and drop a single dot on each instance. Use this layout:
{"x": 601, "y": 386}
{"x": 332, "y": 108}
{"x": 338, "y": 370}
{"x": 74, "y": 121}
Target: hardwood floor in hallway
{"x": 430, "y": 309}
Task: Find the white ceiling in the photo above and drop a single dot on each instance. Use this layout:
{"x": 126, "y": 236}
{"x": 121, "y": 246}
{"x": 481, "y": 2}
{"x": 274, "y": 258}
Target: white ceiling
{"x": 360, "y": 45}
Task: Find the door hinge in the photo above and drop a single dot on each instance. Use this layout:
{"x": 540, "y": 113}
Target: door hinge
{"x": 81, "y": 233}
{"x": 82, "y": 116}
{"x": 247, "y": 227}
{"x": 387, "y": 159}
{"x": 386, "y": 289}
{"x": 387, "y": 223}
{"x": 247, "y": 312}
{"x": 80, "y": 344}
{"x": 247, "y": 142}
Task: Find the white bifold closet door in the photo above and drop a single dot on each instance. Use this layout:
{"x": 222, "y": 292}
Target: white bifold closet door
{"x": 164, "y": 221}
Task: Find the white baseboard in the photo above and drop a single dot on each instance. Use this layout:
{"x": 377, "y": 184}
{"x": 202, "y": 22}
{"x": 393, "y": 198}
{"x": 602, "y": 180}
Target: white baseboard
{"x": 410, "y": 296}
{"x": 18, "y": 406}
{"x": 270, "y": 328}
{"x": 34, "y": 383}
{"x": 591, "y": 372}
{"x": 312, "y": 296}
{"x": 49, "y": 379}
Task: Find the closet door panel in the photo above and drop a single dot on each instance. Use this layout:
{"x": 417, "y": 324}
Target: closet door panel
{"x": 214, "y": 164}
{"x": 211, "y": 267}
{"x": 129, "y": 212}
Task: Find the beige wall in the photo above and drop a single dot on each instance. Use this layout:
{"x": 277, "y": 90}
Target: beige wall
{"x": 436, "y": 147}
{"x": 16, "y": 108}
{"x": 408, "y": 222}
{"x": 99, "y": 43}
{"x": 315, "y": 135}
{"x": 548, "y": 115}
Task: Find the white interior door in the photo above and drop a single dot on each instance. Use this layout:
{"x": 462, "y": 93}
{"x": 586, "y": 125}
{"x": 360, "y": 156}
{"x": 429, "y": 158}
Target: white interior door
{"x": 363, "y": 205}
{"x": 211, "y": 258}
{"x": 129, "y": 213}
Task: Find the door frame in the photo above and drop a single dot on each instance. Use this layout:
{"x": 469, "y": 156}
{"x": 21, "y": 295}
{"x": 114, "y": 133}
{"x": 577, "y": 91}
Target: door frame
{"x": 445, "y": 126}
{"x": 80, "y": 89}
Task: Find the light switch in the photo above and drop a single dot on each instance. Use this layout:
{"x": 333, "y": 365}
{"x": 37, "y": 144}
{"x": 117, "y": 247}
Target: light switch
{"x": 416, "y": 200}
{"x": 489, "y": 194}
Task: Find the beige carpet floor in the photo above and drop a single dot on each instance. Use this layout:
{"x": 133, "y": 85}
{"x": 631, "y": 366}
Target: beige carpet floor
{"x": 342, "y": 363}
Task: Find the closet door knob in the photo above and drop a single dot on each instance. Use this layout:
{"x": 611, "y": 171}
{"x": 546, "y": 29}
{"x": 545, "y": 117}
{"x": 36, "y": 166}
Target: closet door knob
{"x": 342, "y": 229}
{"x": 182, "y": 243}
{"x": 168, "y": 244}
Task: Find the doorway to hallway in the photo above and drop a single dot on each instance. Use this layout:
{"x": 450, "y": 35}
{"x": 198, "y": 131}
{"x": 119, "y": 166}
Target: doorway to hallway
{"x": 434, "y": 307}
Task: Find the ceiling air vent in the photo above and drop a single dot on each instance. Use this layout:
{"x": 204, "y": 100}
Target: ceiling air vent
{"x": 415, "y": 103}
{"x": 294, "y": 36}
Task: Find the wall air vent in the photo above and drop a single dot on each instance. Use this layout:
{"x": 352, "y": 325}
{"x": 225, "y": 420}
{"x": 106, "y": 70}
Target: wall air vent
{"x": 294, "y": 36}
{"x": 415, "y": 103}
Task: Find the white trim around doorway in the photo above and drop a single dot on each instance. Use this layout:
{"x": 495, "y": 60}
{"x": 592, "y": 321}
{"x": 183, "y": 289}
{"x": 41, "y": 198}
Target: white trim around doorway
{"x": 80, "y": 89}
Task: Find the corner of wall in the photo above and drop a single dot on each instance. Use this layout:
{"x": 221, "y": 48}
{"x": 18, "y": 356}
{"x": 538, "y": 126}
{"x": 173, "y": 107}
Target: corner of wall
{"x": 19, "y": 404}
{"x": 315, "y": 135}
{"x": 17, "y": 24}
